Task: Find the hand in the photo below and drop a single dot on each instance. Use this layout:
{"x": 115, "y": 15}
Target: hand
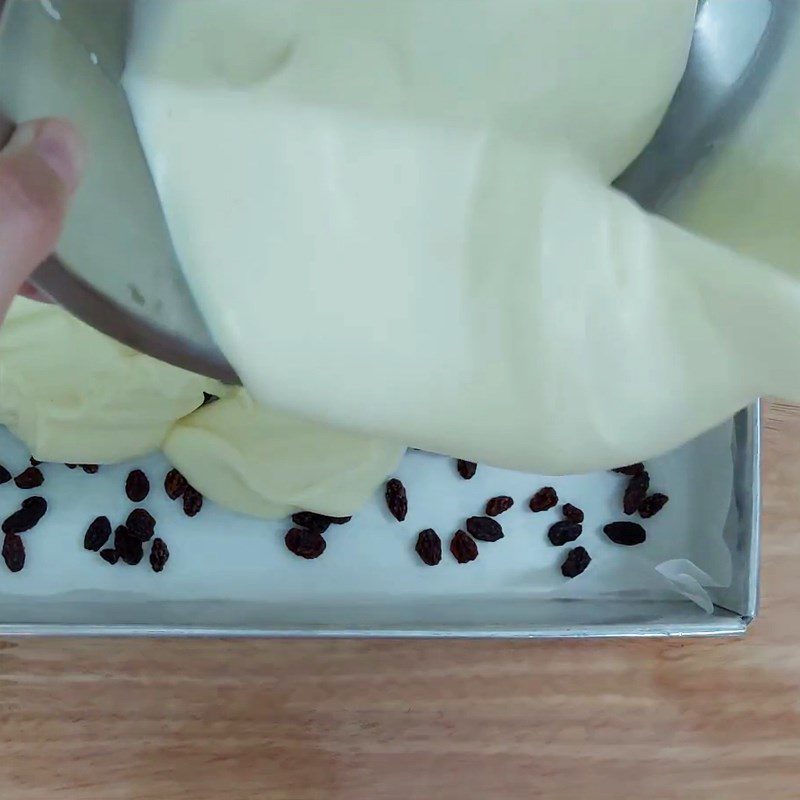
{"x": 40, "y": 169}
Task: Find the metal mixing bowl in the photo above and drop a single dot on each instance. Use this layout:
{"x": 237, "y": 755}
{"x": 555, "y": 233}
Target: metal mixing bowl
{"x": 116, "y": 267}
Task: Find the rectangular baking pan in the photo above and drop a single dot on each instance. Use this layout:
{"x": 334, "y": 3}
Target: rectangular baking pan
{"x": 214, "y": 584}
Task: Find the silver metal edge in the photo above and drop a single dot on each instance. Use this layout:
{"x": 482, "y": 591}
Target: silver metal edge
{"x": 646, "y": 179}
{"x": 713, "y": 628}
{"x": 742, "y": 529}
{"x": 56, "y": 281}
{"x": 754, "y": 513}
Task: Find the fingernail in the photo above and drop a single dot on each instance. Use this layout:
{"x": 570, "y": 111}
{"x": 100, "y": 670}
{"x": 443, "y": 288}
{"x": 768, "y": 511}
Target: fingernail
{"x": 61, "y": 147}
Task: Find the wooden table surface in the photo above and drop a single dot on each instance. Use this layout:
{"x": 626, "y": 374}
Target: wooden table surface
{"x": 428, "y": 720}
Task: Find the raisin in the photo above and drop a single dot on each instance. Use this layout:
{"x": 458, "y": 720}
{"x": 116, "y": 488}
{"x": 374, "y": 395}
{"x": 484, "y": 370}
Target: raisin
{"x": 97, "y": 534}
{"x": 576, "y": 562}
{"x": 652, "y": 504}
{"x": 631, "y": 469}
{"x": 546, "y": 498}
{"x": 34, "y": 461}
{"x": 30, "y": 478}
{"x": 563, "y": 532}
{"x": 396, "y": 499}
{"x": 626, "y": 533}
{"x": 466, "y": 469}
{"x": 90, "y": 469}
{"x": 485, "y": 529}
{"x": 429, "y": 547}
{"x": 27, "y": 517}
{"x": 303, "y": 543}
{"x": 159, "y": 555}
{"x": 572, "y": 513}
{"x": 175, "y": 484}
{"x": 312, "y": 521}
{"x": 192, "y": 501}
{"x": 137, "y": 487}
{"x": 5, "y": 475}
{"x": 13, "y": 552}
{"x": 128, "y": 546}
{"x": 636, "y": 492}
{"x": 70, "y": 466}
{"x": 35, "y": 504}
{"x": 110, "y": 555}
{"x": 141, "y": 524}
{"x": 463, "y": 547}
{"x": 497, "y": 505}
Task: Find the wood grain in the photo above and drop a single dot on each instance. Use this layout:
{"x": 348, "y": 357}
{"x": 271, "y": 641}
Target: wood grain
{"x": 177, "y": 720}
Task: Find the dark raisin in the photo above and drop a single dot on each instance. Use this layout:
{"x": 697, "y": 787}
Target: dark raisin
{"x": 110, "y": 555}
{"x": 429, "y": 547}
{"x": 631, "y": 469}
{"x": 27, "y": 517}
{"x": 175, "y": 484}
{"x": 159, "y": 555}
{"x": 209, "y": 398}
{"x": 575, "y": 563}
{"x": 34, "y": 461}
{"x": 30, "y": 479}
{"x": 5, "y": 475}
{"x": 652, "y": 504}
{"x": 120, "y": 533}
{"x": 303, "y": 543}
{"x": 396, "y": 499}
{"x": 312, "y": 521}
{"x": 128, "y": 546}
{"x": 466, "y": 469}
{"x": 137, "y": 487}
{"x": 70, "y": 466}
{"x": 97, "y": 534}
{"x": 636, "y": 492}
{"x": 141, "y": 524}
{"x": 13, "y": 552}
{"x": 463, "y": 547}
{"x": 497, "y": 505}
{"x": 192, "y": 501}
{"x": 563, "y": 532}
{"x": 90, "y": 469}
{"x": 572, "y": 513}
{"x": 546, "y": 498}
{"x": 485, "y": 529}
{"x": 626, "y": 533}
{"x": 35, "y": 504}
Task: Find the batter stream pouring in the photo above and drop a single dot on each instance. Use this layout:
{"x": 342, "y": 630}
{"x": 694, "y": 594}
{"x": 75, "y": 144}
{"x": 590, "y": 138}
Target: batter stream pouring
{"x": 395, "y": 218}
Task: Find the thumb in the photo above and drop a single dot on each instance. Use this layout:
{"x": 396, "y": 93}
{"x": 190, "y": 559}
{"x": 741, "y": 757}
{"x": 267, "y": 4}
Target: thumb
{"x": 39, "y": 171}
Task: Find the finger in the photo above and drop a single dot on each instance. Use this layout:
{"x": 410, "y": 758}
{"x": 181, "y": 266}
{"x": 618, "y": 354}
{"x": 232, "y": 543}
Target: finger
{"x": 39, "y": 171}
